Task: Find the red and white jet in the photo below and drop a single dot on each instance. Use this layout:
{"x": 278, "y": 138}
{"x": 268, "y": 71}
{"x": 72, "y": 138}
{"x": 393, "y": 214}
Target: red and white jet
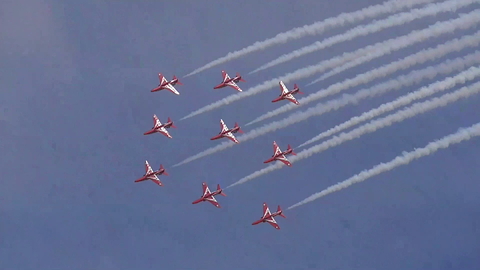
{"x": 227, "y": 81}
{"x": 168, "y": 85}
{"x": 227, "y": 133}
{"x": 209, "y": 196}
{"x": 279, "y": 155}
{"x": 268, "y": 217}
{"x": 161, "y": 128}
{"x": 151, "y": 174}
{"x": 288, "y": 95}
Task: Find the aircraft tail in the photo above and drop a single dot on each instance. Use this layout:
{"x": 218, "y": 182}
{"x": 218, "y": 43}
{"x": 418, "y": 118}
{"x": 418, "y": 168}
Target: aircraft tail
{"x": 295, "y": 86}
{"x": 240, "y": 77}
{"x": 290, "y": 148}
{"x": 164, "y": 171}
{"x": 280, "y": 212}
{"x": 178, "y": 81}
{"x": 239, "y": 130}
{"x": 221, "y": 191}
{"x": 170, "y": 121}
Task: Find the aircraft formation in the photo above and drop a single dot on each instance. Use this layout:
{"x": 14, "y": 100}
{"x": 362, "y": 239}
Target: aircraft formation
{"x": 225, "y": 132}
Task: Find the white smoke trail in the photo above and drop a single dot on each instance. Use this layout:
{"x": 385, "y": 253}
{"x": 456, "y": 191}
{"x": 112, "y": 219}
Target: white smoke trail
{"x": 372, "y": 56}
{"x": 465, "y": 21}
{"x": 463, "y": 134}
{"x": 372, "y": 126}
{"x": 423, "y": 92}
{"x": 363, "y": 30}
{"x": 413, "y": 77}
{"x": 317, "y": 28}
{"x": 420, "y": 57}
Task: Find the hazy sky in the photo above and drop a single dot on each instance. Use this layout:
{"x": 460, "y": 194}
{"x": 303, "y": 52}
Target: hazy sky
{"x": 75, "y": 100}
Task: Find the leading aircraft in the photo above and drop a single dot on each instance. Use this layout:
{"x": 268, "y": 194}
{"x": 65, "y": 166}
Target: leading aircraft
{"x": 279, "y": 155}
{"x": 210, "y": 196}
{"x": 227, "y": 133}
{"x": 151, "y": 174}
{"x": 268, "y": 216}
{"x": 161, "y": 128}
{"x": 168, "y": 85}
{"x": 227, "y": 81}
{"x": 288, "y": 95}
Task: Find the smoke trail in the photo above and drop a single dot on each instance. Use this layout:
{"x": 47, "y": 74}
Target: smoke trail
{"x": 372, "y": 126}
{"x": 367, "y": 58}
{"x": 317, "y": 28}
{"x": 463, "y": 22}
{"x": 395, "y": 84}
{"x": 420, "y": 57}
{"x": 363, "y": 30}
{"x": 423, "y": 92}
{"x": 404, "y": 159}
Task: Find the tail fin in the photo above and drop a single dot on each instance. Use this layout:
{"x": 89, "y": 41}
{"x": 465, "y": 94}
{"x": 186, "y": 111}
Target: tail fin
{"x": 240, "y": 77}
{"x": 290, "y": 148}
{"x": 221, "y": 192}
{"x": 164, "y": 171}
{"x": 295, "y": 86}
{"x": 170, "y": 121}
{"x": 280, "y": 211}
{"x": 178, "y": 82}
{"x": 239, "y": 130}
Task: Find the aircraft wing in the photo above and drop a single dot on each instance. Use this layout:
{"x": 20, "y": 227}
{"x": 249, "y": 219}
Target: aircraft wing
{"x": 225, "y": 76}
{"x": 148, "y": 168}
{"x": 266, "y": 211}
{"x": 284, "y": 159}
{"x": 206, "y": 190}
{"x": 230, "y": 136}
{"x": 291, "y": 98}
{"x": 223, "y": 127}
{"x": 213, "y": 201}
{"x": 164, "y": 132}
{"x": 276, "y": 149}
{"x": 234, "y": 86}
{"x": 155, "y": 179}
{"x": 156, "y": 121}
{"x": 283, "y": 88}
{"x": 161, "y": 78}
{"x": 273, "y": 222}
{"x": 171, "y": 88}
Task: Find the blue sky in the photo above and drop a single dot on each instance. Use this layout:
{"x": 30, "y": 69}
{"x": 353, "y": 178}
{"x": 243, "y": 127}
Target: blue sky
{"x": 75, "y": 101}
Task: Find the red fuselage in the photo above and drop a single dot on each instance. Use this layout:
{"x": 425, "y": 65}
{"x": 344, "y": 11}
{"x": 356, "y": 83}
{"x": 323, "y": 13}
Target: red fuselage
{"x": 264, "y": 219}
{"x": 155, "y": 129}
{"x": 162, "y": 86}
{"x": 274, "y": 157}
{"x": 282, "y": 96}
{"x": 220, "y": 135}
{"x": 223, "y": 84}
{"x": 145, "y": 177}
{"x": 204, "y": 198}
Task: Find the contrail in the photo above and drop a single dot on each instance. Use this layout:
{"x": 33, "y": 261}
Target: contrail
{"x": 367, "y": 58}
{"x": 372, "y": 126}
{"x": 420, "y": 57}
{"x": 423, "y": 92}
{"x": 363, "y": 30}
{"x": 463, "y": 134}
{"x": 413, "y": 77}
{"x": 465, "y": 21}
{"x": 317, "y": 28}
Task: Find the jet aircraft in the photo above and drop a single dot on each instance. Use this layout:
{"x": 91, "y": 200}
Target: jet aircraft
{"x": 227, "y": 133}
{"x": 151, "y": 174}
{"x": 279, "y": 155}
{"x": 210, "y": 196}
{"x": 161, "y": 128}
{"x": 227, "y": 81}
{"x": 268, "y": 216}
{"x": 288, "y": 95}
{"x": 168, "y": 85}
